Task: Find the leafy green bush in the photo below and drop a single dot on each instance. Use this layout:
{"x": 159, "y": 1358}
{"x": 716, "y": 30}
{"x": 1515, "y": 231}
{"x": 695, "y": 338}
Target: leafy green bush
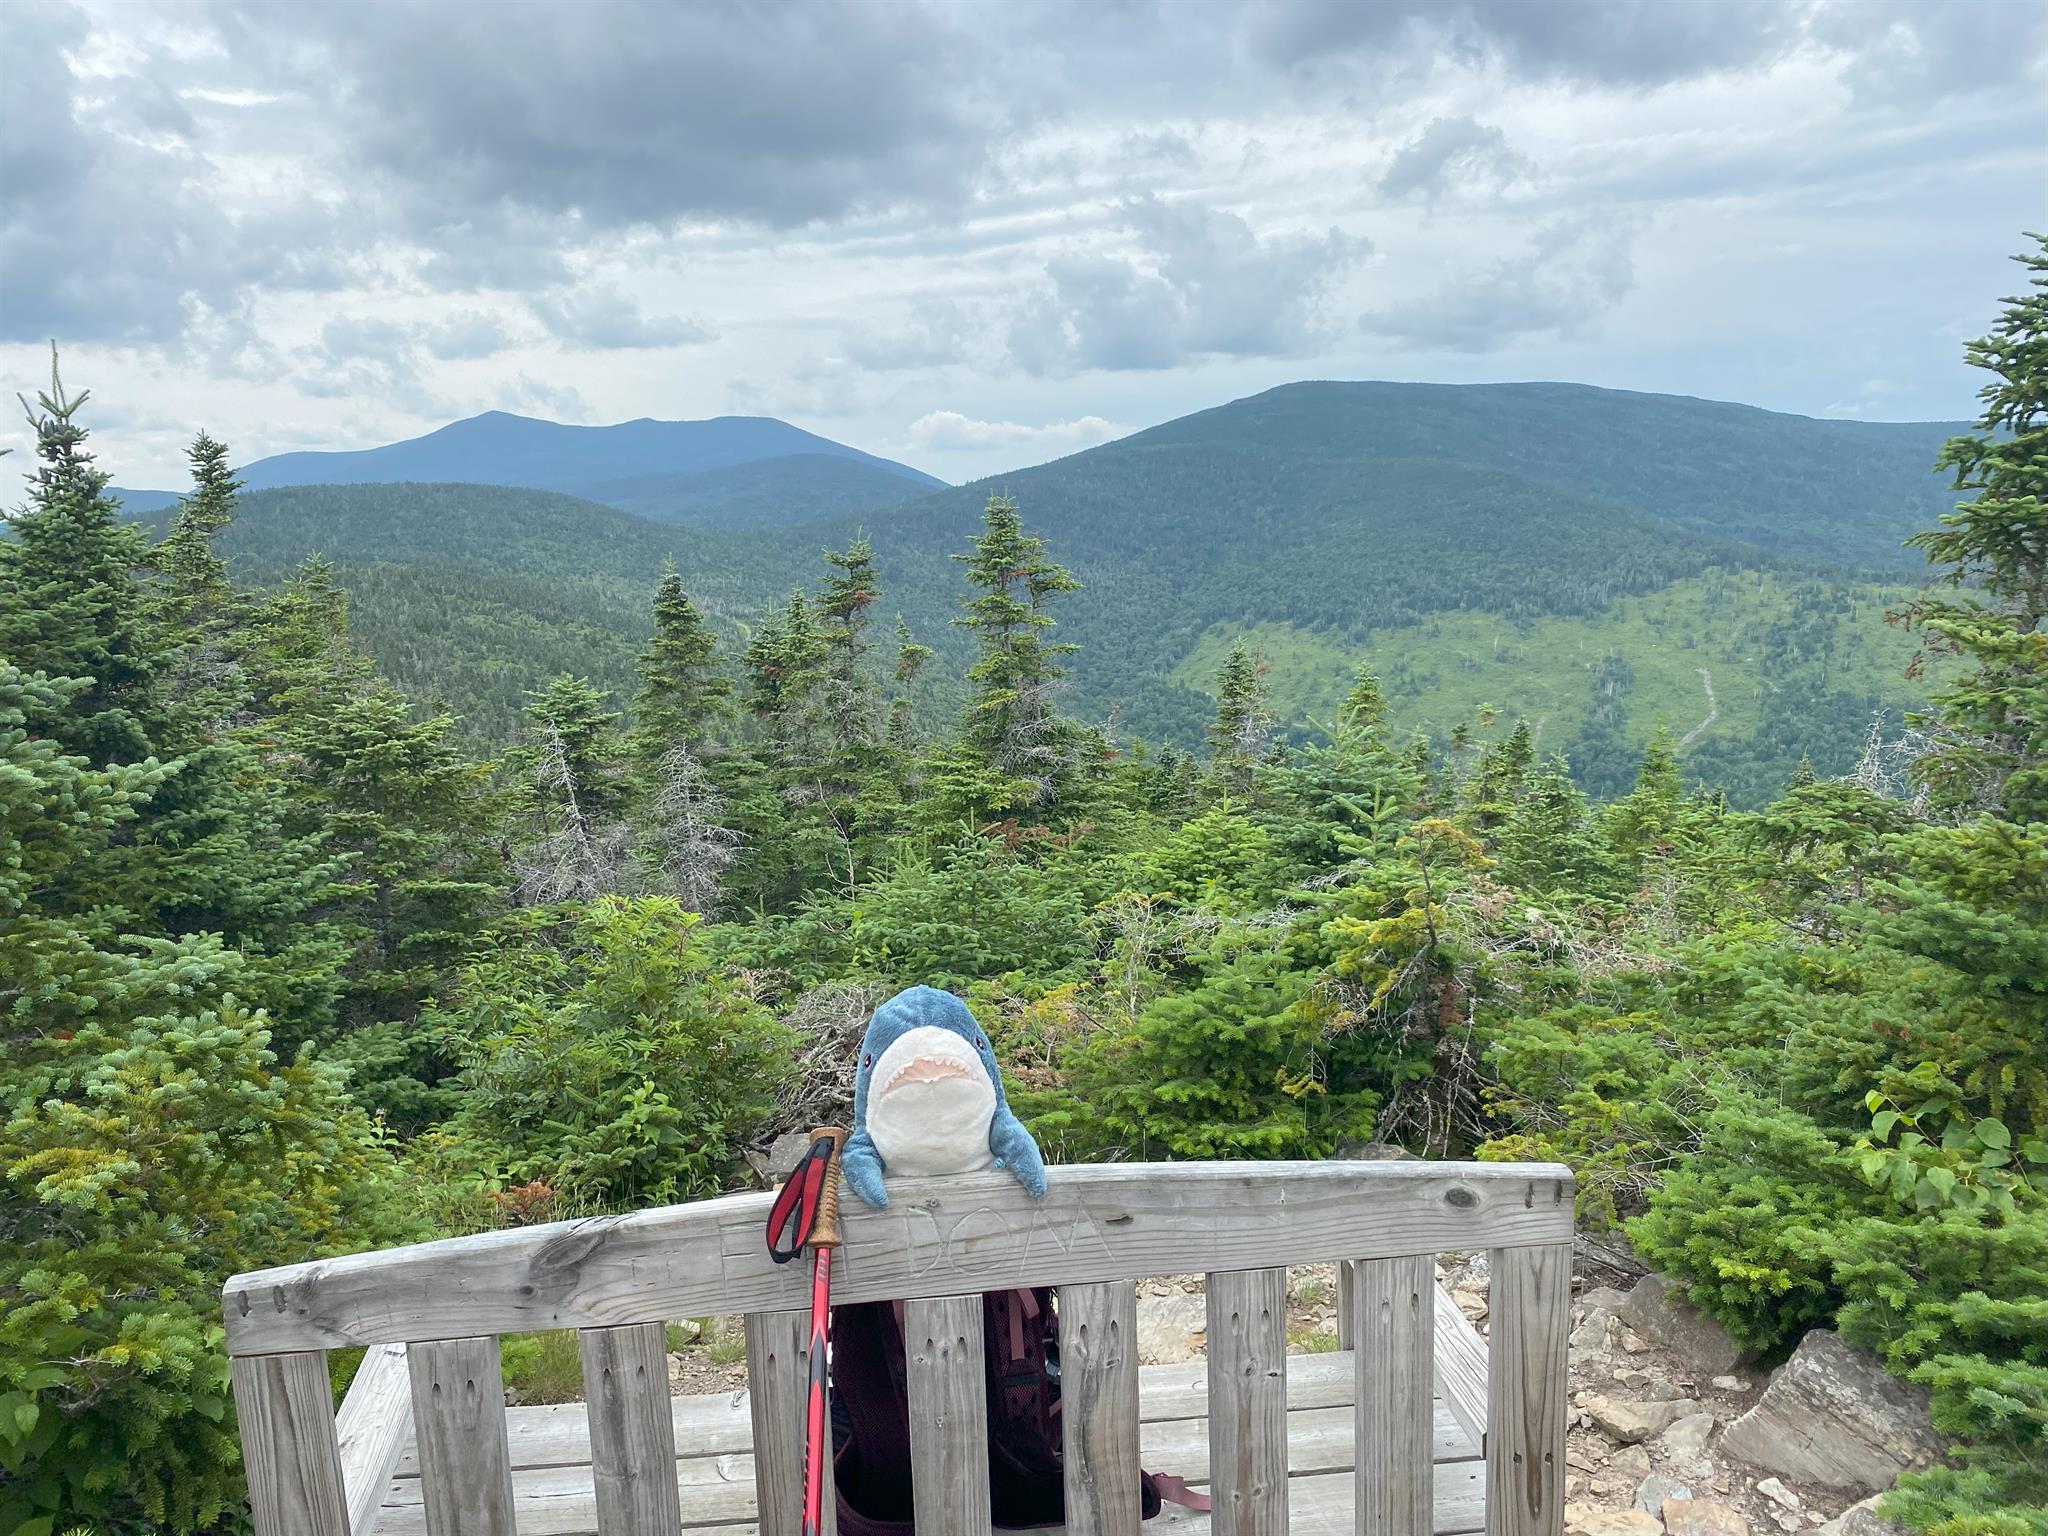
{"x": 607, "y": 1059}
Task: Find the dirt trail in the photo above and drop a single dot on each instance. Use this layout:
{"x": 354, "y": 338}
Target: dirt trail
{"x": 1713, "y": 712}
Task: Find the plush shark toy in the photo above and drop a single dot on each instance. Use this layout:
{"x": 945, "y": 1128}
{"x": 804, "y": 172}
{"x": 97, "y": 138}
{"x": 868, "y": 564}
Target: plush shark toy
{"x": 929, "y": 1099}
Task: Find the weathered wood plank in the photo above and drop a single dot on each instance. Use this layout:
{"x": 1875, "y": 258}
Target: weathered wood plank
{"x": 1528, "y": 1318}
{"x": 372, "y": 1429}
{"x": 948, "y": 1390}
{"x": 632, "y": 1436}
{"x": 286, "y": 1409}
{"x": 1099, "y": 1412}
{"x": 1394, "y": 1324}
{"x": 1461, "y": 1368}
{"x": 458, "y": 1410}
{"x": 1321, "y": 1507}
{"x": 778, "y": 1379}
{"x": 939, "y": 1237}
{"x": 1248, "y": 1401}
{"x": 558, "y": 1434}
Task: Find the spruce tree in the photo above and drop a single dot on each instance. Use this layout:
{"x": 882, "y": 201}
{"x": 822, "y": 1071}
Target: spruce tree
{"x": 579, "y": 845}
{"x": 187, "y": 559}
{"x": 1014, "y": 735}
{"x": 683, "y": 688}
{"x": 1992, "y": 720}
{"x": 69, "y": 604}
{"x": 1241, "y": 735}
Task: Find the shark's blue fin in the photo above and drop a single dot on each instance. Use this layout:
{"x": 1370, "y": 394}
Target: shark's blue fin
{"x": 860, "y": 1165}
{"x": 1015, "y": 1150}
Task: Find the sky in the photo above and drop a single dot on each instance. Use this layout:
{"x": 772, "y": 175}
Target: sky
{"x": 975, "y": 236}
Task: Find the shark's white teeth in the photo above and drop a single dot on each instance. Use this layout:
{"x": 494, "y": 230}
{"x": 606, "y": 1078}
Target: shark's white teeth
{"x": 926, "y": 1069}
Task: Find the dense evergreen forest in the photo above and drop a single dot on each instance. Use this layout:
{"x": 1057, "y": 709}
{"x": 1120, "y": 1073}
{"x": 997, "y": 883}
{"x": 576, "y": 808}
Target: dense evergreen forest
{"x": 287, "y": 969}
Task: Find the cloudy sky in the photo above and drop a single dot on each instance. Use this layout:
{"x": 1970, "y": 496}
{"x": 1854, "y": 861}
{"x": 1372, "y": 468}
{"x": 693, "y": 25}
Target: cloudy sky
{"x": 978, "y": 235}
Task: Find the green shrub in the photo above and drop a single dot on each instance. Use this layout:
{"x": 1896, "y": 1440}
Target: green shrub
{"x": 606, "y": 1058}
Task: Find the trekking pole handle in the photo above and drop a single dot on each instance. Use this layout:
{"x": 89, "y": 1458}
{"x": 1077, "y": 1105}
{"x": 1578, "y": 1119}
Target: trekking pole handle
{"x": 825, "y": 1228}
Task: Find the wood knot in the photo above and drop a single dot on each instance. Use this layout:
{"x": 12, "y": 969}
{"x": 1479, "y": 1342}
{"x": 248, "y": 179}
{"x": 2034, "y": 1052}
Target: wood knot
{"x": 1461, "y": 1197}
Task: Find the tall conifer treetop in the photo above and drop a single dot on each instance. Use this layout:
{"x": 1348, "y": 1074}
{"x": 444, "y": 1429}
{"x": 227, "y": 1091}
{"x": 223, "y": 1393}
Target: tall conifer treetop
{"x": 1993, "y": 720}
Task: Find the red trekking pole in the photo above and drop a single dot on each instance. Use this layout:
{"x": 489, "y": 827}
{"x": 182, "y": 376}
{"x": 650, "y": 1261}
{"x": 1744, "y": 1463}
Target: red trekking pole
{"x": 806, "y": 1215}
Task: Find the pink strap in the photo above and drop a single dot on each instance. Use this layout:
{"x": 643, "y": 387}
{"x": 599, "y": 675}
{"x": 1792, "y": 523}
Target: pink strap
{"x": 1175, "y": 1490}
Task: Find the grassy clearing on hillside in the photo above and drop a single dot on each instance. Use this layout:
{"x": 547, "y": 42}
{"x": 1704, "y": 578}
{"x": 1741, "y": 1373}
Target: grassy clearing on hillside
{"x": 1773, "y": 645}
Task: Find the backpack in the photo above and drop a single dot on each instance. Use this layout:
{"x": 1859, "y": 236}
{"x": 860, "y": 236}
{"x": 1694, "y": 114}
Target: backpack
{"x": 871, "y": 1409}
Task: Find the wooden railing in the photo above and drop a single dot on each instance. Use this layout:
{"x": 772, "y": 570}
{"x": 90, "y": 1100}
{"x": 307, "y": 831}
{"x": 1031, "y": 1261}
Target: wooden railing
{"x": 940, "y": 1244}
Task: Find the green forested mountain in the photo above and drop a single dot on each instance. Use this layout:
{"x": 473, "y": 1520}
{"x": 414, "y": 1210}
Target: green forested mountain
{"x": 1596, "y": 562}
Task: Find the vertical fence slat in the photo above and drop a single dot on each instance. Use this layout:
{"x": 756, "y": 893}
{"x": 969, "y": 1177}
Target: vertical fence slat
{"x": 632, "y": 1433}
{"x": 778, "y": 1376}
{"x": 1393, "y": 1328}
{"x": 458, "y": 1411}
{"x": 1248, "y": 1402}
{"x": 286, "y": 1410}
{"x": 948, "y": 1414}
{"x": 1099, "y": 1408}
{"x": 1529, "y": 1318}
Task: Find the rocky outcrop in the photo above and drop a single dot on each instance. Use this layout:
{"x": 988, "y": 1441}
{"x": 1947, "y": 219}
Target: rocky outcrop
{"x": 1655, "y": 1310}
{"x": 1703, "y": 1517}
{"x": 1832, "y": 1416}
{"x": 1862, "y": 1520}
{"x": 1172, "y": 1328}
{"x": 1632, "y": 1423}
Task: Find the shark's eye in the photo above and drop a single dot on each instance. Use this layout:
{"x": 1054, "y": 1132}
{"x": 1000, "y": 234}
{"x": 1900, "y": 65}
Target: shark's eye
{"x": 868, "y": 1060}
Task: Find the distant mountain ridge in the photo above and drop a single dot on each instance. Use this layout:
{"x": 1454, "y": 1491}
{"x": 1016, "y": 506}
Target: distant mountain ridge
{"x": 1592, "y": 561}
{"x": 726, "y": 471}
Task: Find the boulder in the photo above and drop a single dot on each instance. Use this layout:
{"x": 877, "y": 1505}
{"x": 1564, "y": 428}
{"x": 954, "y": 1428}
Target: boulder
{"x": 1605, "y": 1297}
{"x": 1633, "y": 1423}
{"x": 1703, "y": 1517}
{"x": 1611, "y": 1522}
{"x": 1172, "y": 1328}
{"x": 1655, "y": 1489}
{"x": 1862, "y": 1520}
{"x": 1597, "y": 1337}
{"x": 1833, "y": 1417}
{"x": 1655, "y": 1310}
{"x": 1686, "y": 1439}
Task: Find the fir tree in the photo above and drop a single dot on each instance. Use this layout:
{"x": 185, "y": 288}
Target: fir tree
{"x": 69, "y": 604}
{"x": 187, "y": 559}
{"x": 1993, "y": 719}
{"x": 1014, "y": 731}
{"x": 683, "y": 689}
{"x": 1241, "y": 735}
{"x": 580, "y": 845}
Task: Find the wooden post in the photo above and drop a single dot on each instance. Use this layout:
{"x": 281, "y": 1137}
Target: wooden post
{"x": 1248, "y": 1402}
{"x": 778, "y": 1376}
{"x": 1529, "y": 1312}
{"x": 458, "y": 1410}
{"x": 371, "y": 1427}
{"x": 1099, "y": 1408}
{"x": 288, "y": 1447}
{"x": 1347, "y": 1287}
{"x": 632, "y": 1435}
{"x": 1394, "y": 1326}
{"x": 948, "y": 1414}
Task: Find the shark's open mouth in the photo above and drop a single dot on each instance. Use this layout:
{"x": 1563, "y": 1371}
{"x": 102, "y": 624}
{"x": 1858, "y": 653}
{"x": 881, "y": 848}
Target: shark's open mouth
{"x": 926, "y": 1069}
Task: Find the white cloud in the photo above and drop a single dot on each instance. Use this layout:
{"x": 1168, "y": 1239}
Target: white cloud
{"x": 953, "y": 432}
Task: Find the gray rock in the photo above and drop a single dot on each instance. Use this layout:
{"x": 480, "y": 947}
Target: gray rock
{"x": 1702, "y": 1517}
{"x": 1631, "y": 1462}
{"x": 1172, "y": 1328}
{"x": 1666, "y": 1392}
{"x": 1655, "y": 1310}
{"x": 1831, "y": 1416}
{"x": 1778, "y": 1493}
{"x": 1633, "y": 1423}
{"x": 1686, "y": 1440}
{"x": 1352, "y": 1150}
{"x": 1597, "y": 1337}
{"x": 1605, "y": 1297}
{"x": 1656, "y": 1488}
{"x": 1862, "y": 1520}
{"x": 1610, "y": 1522}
